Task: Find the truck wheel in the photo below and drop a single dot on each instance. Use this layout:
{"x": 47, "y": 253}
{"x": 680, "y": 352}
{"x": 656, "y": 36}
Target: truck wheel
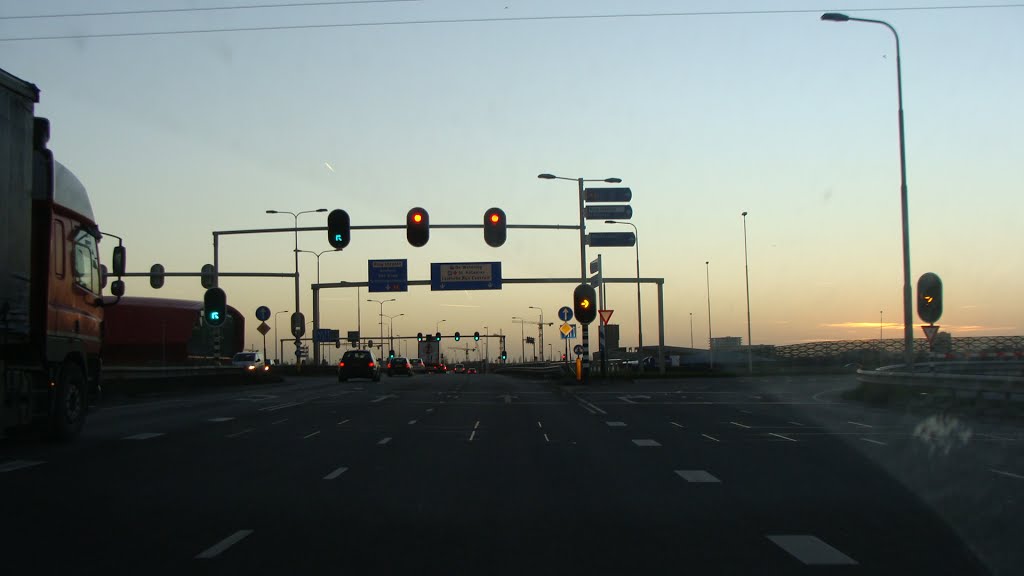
{"x": 69, "y": 403}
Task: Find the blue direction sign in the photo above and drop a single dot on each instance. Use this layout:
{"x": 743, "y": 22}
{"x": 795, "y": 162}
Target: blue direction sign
{"x": 388, "y": 275}
{"x": 607, "y": 194}
{"x": 578, "y": 349}
{"x": 325, "y": 335}
{"x": 565, "y": 313}
{"x": 611, "y": 239}
{"x": 465, "y": 276}
{"x": 263, "y": 313}
{"x": 608, "y": 212}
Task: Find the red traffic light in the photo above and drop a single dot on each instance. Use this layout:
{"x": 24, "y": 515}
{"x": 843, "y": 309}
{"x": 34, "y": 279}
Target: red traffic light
{"x": 495, "y": 227}
{"x": 417, "y": 227}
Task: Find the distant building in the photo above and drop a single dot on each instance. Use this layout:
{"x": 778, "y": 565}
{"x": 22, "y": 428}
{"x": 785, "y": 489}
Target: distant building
{"x": 726, "y": 343}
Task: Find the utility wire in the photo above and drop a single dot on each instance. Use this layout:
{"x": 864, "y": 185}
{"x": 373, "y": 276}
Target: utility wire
{"x": 199, "y": 9}
{"x": 495, "y": 19}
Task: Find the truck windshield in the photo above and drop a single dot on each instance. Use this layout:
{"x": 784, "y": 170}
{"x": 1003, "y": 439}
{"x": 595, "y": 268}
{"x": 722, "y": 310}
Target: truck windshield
{"x": 87, "y": 264}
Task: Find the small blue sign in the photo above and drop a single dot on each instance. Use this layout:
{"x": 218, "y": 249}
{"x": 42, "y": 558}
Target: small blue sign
{"x": 578, "y": 349}
{"x": 388, "y": 275}
{"x": 565, "y": 313}
{"x": 465, "y": 276}
{"x": 263, "y": 313}
{"x": 325, "y": 335}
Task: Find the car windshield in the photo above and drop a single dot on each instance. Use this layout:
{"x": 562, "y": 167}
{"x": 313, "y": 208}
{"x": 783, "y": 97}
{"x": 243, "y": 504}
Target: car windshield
{"x": 738, "y": 283}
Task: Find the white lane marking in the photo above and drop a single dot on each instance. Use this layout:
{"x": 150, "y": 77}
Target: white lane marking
{"x": 755, "y": 397}
{"x": 874, "y": 441}
{"x": 646, "y": 442}
{"x": 384, "y": 441}
{"x": 280, "y": 421}
{"x": 473, "y": 435}
{"x": 411, "y": 422}
{"x": 343, "y": 422}
{"x": 221, "y": 419}
{"x": 794, "y": 423}
{"x": 382, "y": 398}
{"x": 616, "y": 424}
{"x": 477, "y": 425}
{"x": 216, "y": 549}
{"x": 811, "y": 550}
{"x": 738, "y": 424}
{"x": 995, "y": 437}
{"x": 311, "y": 435}
{"x": 626, "y": 399}
{"x": 143, "y": 436}
{"x": 538, "y": 424}
{"x": 676, "y": 424}
{"x": 18, "y": 465}
{"x": 430, "y": 409}
{"x": 697, "y": 476}
{"x": 781, "y": 436}
{"x": 746, "y": 411}
{"x": 1008, "y": 474}
{"x": 336, "y": 473}
{"x": 859, "y": 424}
{"x": 711, "y": 438}
{"x": 237, "y": 434}
{"x": 279, "y": 407}
{"x": 588, "y": 409}
{"x": 587, "y": 404}
{"x": 546, "y": 439}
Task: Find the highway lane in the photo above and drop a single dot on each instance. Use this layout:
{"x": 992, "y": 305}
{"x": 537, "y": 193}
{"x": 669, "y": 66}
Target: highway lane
{"x": 478, "y": 472}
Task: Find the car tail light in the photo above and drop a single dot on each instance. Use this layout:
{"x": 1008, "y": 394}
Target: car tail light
{"x": 341, "y": 364}
{"x": 370, "y": 364}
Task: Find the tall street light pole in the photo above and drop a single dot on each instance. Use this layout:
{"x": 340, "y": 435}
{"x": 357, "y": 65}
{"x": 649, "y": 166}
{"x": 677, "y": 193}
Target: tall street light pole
{"x": 382, "y": 303}
{"x": 746, "y": 264}
{"x": 391, "y": 329}
{"x": 437, "y": 328}
{"x": 320, "y": 346}
{"x": 639, "y": 309}
{"x": 540, "y": 330}
{"x": 711, "y": 351}
{"x": 280, "y": 344}
{"x": 295, "y": 218}
{"x": 908, "y": 328}
{"x": 691, "y": 330}
{"x": 522, "y": 336}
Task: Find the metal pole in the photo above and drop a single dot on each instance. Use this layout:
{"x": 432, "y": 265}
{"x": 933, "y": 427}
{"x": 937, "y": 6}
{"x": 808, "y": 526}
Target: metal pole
{"x": 278, "y": 350}
{"x": 316, "y": 323}
{"x": 746, "y": 263}
{"x": 522, "y": 340}
{"x": 298, "y": 358}
{"x": 908, "y": 328}
{"x": 661, "y": 328}
{"x": 639, "y": 308}
{"x": 691, "y": 330}
{"x": 583, "y": 235}
{"x": 711, "y": 352}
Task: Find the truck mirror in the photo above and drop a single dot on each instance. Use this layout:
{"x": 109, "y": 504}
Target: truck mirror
{"x": 118, "y": 261}
{"x": 117, "y": 288}
{"x": 103, "y": 276}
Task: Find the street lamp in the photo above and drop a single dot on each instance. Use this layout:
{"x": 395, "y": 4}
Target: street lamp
{"x": 639, "y": 310}
{"x": 391, "y": 329}
{"x": 382, "y": 302}
{"x": 295, "y": 217}
{"x": 540, "y": 330}
{"x": 583, "y": 229}
{"x": 908, "y": 329}
{"x": 522, "y": 336}
{"x": 318, "y": 255}
{"x": 437, "y": 325}
{"x": 711, "y": 352}
{"x": 280, "y": 345}
{"x": 691, "y": 330}
{"x": 746, "y": 264}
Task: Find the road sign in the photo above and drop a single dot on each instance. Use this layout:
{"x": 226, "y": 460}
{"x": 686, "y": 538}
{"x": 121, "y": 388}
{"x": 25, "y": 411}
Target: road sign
{"x": 568, "y": 331}
{"x": 930, "y": 331}
{"x": 465, "y": 276}
{"x": 325, "y": 335}
{"x": 607, "y": 194}
{"x": 608, "y": 212}
{"x": 263, "y": 313}
{"x": 353, "y": 336}
{"x": 388, "y": 275}
{"x": 577, "y": 349}
{"x": 263, "y": 328}
{"x": 606, "y": 315}
{"x": 595, "y": 265}
{"x": 206, "y": 276}
{"x": 565, "y": 313}
{"x": 611, "y": 239}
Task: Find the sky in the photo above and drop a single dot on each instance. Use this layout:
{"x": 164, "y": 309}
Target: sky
{"x": 703, "y": 116}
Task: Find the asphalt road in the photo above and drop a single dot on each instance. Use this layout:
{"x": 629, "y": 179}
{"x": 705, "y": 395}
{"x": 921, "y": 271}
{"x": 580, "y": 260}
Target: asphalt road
{"x": 487, "y": 474}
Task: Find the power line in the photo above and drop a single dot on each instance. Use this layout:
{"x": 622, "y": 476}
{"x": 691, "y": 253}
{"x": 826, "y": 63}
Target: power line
{"x": 200, "y": 9}
{"x": 499, "y": 19}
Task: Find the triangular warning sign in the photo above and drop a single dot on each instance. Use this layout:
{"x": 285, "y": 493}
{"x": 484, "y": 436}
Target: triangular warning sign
{"x": 930, "y": 331}
{"x": 606, "y": 315}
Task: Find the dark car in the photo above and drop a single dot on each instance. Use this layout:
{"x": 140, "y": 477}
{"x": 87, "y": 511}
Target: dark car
{"x": 358, "y": 364}
{"x": 437, "y": 367}
{"x": 399, "y": 366}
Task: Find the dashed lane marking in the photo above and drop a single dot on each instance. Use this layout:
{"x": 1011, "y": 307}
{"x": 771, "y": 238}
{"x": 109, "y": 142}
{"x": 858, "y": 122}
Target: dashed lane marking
{"x": 646, "y": 443}
{"x": 311, "y": 435}
{"x": 221, "y": 419}
{"x": 237, "y": 434}
{"x": 811, "y": 550}
{"x": 1007, "y": 474}
{"x": 697, "y": 476}
{"x": 711, "y": 437}
{"x": 336, "y": 473}
{"x": 874, "y": 441}
{"x": 781, "y": 436}
{"x": 219, "y": 547}
{"x": 19, "y": 465}
{"x": 144, "y": 436}
{"x": 384, "y": 441}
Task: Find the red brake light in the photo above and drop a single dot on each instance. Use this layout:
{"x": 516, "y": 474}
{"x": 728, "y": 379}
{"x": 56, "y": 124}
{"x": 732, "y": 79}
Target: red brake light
{"x": 370, "y": 364}
{"x": 341, "y": 364}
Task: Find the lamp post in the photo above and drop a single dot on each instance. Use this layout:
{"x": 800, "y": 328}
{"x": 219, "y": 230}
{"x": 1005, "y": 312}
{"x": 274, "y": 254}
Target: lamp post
{"x": 320, "y": 346}
{"x": 691, "y": 330}
{"x": 711, "y": 352}
{"x": 382, "y": 302}
{"x": 295, "y": 217}
{"x": 540, "y": 330}
{"x": 391, "y": 329}
{"x": 280, "y": 345}
{"x": 522, "y": 336}
{"x": 487, "y": 351}
{"x": 639, "y": 309}
{"x": 908, "y": 328}
{"x": 746, "y": 264}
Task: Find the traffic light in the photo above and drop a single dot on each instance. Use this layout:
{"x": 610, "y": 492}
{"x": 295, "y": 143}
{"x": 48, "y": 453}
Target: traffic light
{"x": 495, "y": 227}
{"x": 417, "y": 227}
{"x": 504, "y": 356}
{"x": 437, "y": 336}
{"x": 215, "y": 306}
{"x": 584, "y": 303}
{"x": 419, "y": 336}
{"x": 391, "y": 354}
{"x": 458, "y": 336}
{"x": 476, "y": 336}
{"x": 929, "y": 297}
{"x": 339, "y": 229}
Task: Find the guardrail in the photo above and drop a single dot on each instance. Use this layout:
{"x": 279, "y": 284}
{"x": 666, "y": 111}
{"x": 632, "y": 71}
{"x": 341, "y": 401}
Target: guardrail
{"x": 1001, "y": 377}
{"x": 164, "y": 372}
{"x": 538, "y": 370}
